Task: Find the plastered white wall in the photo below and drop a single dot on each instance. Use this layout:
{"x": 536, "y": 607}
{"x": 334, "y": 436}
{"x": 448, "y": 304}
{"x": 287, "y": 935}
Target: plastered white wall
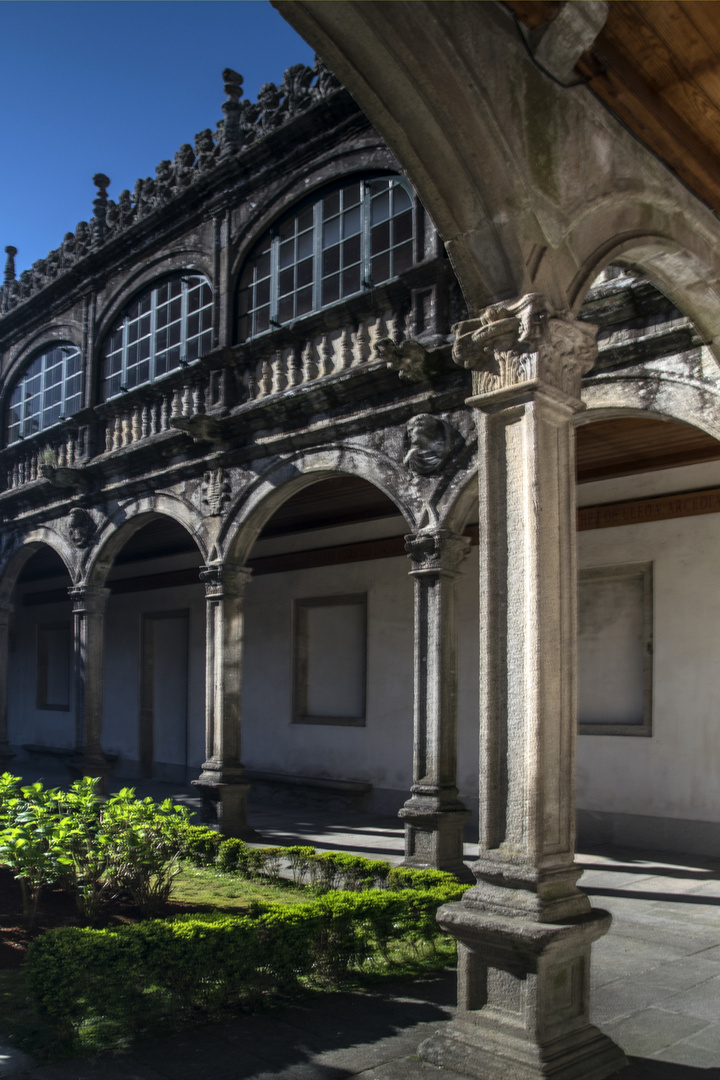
{"x": 675, "y": 772}
{"x": 381, "y": 751}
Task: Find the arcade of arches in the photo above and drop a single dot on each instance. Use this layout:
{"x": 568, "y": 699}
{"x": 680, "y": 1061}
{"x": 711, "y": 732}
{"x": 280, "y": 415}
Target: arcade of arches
{"x": 287, "y": 493}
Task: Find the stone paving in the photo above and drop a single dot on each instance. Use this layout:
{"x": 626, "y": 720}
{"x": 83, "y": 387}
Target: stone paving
{"x": 656, "y": 982}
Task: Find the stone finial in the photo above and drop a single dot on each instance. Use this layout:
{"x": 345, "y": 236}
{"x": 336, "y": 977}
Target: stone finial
{"x": 9, "y": 276}
{"x": 231, "y": 108}
{"x": 525, "y": 341}
{"x": 102, "y": 183}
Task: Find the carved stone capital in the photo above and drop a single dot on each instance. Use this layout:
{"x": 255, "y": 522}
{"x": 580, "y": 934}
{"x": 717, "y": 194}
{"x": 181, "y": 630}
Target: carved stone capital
{"x": 438, "y": 551}
{"x": 223, "y": 581}
{"x": 526, "y": 341}
{"x": 88, "y": 599}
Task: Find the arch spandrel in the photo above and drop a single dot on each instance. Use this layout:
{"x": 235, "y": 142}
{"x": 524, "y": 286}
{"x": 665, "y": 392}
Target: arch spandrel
{"x": 130, "y": 517}
{"x": 283, "y": 478}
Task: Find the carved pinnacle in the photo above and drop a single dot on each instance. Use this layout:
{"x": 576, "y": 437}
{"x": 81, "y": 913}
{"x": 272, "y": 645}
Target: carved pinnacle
{"x": 11, "y": 252}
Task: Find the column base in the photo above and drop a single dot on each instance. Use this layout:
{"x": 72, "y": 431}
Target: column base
{"x": 224, "y": 803}
{"x": 434, "y": 835}
{"x": 97, "y": 765}
{"x": 523, "y": 999}
{"x": 490, "y": 1055}
{"x": 6, "y": 756}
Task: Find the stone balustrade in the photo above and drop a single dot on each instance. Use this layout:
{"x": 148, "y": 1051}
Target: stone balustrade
{"x": 45, "y": 456}
{"x": 324, "y": 354}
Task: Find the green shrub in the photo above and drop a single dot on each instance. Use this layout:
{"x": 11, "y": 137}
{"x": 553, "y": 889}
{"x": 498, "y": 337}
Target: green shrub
{"x": 199, "y": 844}
{"x": 232, "y": 856}
{"x": 120, "y": 982}
{"x": 299, "y": 862}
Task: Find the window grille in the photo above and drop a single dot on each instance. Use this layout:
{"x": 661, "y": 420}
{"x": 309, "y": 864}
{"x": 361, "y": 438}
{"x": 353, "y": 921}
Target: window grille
{"x": 349, "y": 239}
{"x": 164, "y": 328}
{"x": 49, "y": 389}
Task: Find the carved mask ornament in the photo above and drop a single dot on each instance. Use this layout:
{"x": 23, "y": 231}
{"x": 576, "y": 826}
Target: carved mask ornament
{"x": 431, "y": 443}
{"x": 80, "y": 528}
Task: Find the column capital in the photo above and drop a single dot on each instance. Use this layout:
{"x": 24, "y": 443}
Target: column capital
{"x": 436, "y": 551}
{"x": 88, "y": 598}
{"x": 525, "y": 344}
{"x": 221, "y": 579}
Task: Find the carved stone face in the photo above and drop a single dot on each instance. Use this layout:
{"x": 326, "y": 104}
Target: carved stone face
{"x": 80, "y": 528}
{"x": 428, "y": 437}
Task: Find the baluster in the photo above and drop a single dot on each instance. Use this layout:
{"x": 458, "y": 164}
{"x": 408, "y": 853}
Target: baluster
{"x": 361, "y": 351}
{"x": 109, "y": 434}
{"x": 165, "y": 411}
{"x": 309, "y": 366}
{"x": 294, "y": 370}
{"x": 176, "y": 408}
{"x": 136, "y": 424}
{"x": 378, "y": 331}
{"x": 252, "y": 385}
{"x": 187, "y": 400}
{"x": 126, "y": 429}
{"x": 279, "y": 377}
{"x": 16, "y": 475}
{"x": 21, "y": 472}
{"x": 346, "y": 348}
{"x": 395, "y": 327}
{"x": 326, "y": 356}
{"x": 145, "y": 420}
{"x": 70, "y": 449}
{"x": 198, "y": 399}
{"x": 60, "y": 452}
{"x": 266, "y": 380}
{"x": 118, "y": 435}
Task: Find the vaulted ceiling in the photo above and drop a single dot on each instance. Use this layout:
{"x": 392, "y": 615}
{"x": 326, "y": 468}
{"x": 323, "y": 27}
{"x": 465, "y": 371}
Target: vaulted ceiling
{"x": 656, "y": 65}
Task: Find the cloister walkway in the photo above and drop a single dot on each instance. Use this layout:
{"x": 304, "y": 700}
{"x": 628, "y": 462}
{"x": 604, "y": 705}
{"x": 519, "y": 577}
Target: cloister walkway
{"x": 656, "y": 979}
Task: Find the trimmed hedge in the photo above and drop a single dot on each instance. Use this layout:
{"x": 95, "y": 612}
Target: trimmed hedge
{"x": 125, "y": 981}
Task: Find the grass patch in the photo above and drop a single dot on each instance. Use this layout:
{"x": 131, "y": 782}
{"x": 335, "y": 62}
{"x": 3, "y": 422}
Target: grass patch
{"x": 224, "y": 892}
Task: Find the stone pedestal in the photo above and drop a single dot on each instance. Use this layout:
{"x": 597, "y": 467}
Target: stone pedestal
{"x": 222, "y": 787}
{"x": 434, "y": 816}
{"x": 88, "y": 644}
{"x": 6, "y": 755}
{"x": 523, "y": 994}
{"x": 525, "y": 929}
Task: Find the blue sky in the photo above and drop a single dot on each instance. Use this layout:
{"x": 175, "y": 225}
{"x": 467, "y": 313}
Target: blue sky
{"x": 115, "y": 86}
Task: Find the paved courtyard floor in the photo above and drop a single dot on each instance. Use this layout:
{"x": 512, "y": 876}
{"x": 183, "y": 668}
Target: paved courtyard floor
{"x": 656, "y": 980}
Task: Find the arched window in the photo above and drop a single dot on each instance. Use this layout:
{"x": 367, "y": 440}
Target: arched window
{"x": 348, "y": 239}
{"x": 161, "y": 329}
{"x": 49, "y": 389}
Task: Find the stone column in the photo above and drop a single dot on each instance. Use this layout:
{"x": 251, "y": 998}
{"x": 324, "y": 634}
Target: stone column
{"x": 224, "y": 792}
{"x": 524, "y": 931}
{"x": 88, "y": 645}
{"x": 6, "y": 755}
{"x": 434, "y": 817}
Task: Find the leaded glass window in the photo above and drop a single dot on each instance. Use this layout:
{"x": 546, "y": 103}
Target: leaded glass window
{"x": 346, "y": 240}
{"x": 49, "y": 389}
{"x": 160, "y": 330}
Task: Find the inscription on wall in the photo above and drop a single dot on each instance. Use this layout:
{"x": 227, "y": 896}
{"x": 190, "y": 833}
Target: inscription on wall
{"x": 644, "y": 511}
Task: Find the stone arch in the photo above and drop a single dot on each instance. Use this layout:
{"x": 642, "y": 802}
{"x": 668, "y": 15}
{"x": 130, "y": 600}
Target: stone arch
{"x": 286, "y": 477}
{"x": 13, "y": 563}
{"x": 168, "y": 262}
{"x": 131, "y": 516}
{"x": 662, "y": 243}
{"x": 292, "y": 189}
{"x": 661, "y": 396}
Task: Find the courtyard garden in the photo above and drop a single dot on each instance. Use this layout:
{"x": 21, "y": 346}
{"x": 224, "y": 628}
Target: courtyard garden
{"x": 119, "y": 919}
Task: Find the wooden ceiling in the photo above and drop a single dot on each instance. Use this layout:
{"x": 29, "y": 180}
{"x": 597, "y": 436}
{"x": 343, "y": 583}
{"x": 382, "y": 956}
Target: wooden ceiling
{"x": 618, "y": 447}
{"x": 656, "y": 64}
